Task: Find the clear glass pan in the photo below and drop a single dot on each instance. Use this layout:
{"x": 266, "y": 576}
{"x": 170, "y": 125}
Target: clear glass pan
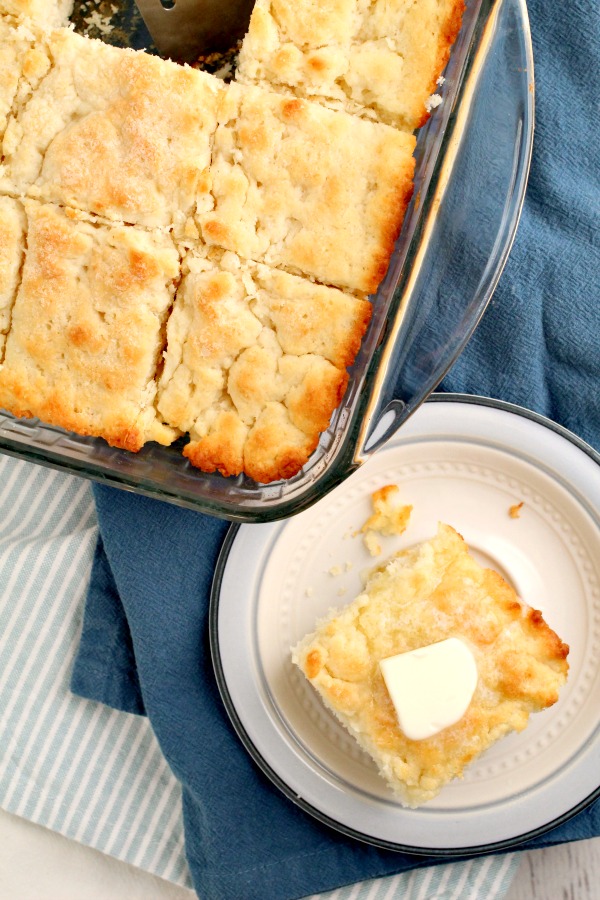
{"x": 472, "y": 165}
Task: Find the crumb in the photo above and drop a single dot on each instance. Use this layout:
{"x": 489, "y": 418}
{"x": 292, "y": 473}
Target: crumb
{"x": 514, "y": 511}
{"x": 335, "y": 570}
{"x": 348, "y": 566}
{"x": 100, "y": 23}
{"x": 309, "y": 591}
{"x": 342, "y": 591}
{"x": 432, "y": 102}
{"x": 388, "y": 517}
{"x": 372, "y": 544}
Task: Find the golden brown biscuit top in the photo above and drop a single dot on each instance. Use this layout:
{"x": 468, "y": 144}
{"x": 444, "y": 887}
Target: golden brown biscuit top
{"x": 299, "y": 187}
{"x": 116, "y": 132}
{"x": 86, "y": 327}
{"x": 378, "y": 59}
{"x": 249, "y": 357}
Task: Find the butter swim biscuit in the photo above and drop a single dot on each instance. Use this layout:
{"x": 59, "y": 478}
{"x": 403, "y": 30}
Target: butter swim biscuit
{"x": 255, "y": 364}
{"x": 300, "y": 187}
{"x": 374, "y": 58}
{"x": 422, "y": 596}
{"x": 86, "y": 328}
{"x": 116, "y": 133}
{"x": 48, "y": 13}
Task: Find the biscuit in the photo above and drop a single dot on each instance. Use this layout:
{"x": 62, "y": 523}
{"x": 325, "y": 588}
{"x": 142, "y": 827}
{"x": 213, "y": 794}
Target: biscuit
{"x": 12, "y": 249}
{"x": 425, "y": 594}
{"x": 376, "y": 59}
{"x": 50, "y": 13}
{"x": 255, "y": 364}
{"x": 116, "y": 133}
{"x": 300, "y": 187}
{"x": 86, "y": 329}
{"x": 23, "y": 63}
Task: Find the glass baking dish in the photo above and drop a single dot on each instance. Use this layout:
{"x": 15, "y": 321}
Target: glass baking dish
{"x": 472, "y": 160}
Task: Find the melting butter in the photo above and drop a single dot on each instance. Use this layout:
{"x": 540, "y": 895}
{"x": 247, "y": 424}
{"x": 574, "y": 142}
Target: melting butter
{"x": 430, "y": 687}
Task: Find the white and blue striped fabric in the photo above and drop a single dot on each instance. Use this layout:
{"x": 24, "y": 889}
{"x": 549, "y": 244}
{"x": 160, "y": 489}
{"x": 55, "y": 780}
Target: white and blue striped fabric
{"x": 95, "y": 774}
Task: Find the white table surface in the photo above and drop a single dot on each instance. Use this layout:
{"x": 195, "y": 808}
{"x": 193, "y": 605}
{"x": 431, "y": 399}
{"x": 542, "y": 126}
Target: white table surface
{"x": 64, "y": 870}
{"x": 38, "y": 864}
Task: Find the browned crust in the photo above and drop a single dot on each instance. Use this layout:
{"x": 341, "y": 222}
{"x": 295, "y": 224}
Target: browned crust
{"x": 280, "y": 442}
{"x": 391, "y": 226}
{"x": 448, "y": 34}
{"x": 53, "y": 411}
{"x": 274, "y": 348}
{"x": 310, "y": 190}
{"x": 223, "y": 449}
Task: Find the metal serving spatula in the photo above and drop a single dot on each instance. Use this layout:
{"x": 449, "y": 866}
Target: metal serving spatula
{"x": 184, "y": 30}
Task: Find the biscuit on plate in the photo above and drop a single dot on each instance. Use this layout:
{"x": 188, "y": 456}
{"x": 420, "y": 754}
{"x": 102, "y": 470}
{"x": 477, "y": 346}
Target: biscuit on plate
{"x": 300, "y": 187}
{"x": 115, "y": 132}
{"x": 376, "y": 59}
{"x": 86, "y": 329}
{"x": 424, "y": 595}
{"x": 255, "y": 364}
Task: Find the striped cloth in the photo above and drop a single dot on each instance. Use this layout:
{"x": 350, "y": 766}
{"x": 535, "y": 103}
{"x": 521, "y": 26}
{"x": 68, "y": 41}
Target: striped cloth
{"x": 95, "y": 774}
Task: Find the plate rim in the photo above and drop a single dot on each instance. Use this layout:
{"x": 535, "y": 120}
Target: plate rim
{"x": 279, "y": 782}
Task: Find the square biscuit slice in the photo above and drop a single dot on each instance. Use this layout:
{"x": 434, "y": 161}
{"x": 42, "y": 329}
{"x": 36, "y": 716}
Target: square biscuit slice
{"x": 425, "y": 594}
{"x": 48, "y": 13}
{"x": 255, "y": 364}
{"x": 300, "y": 187}
{"x": 376, "y": 59}
{"x": 87, "y": 327}
{"x": 12, "y": 252}
{"x": 116, "y": 133}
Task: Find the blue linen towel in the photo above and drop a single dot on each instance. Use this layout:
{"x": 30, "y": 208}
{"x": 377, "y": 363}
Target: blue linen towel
{"x": 144, "y": 642}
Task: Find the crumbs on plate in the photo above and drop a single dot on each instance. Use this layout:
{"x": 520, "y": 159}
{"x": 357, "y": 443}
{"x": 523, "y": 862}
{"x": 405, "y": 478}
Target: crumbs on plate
{"x": 389, "y": 517}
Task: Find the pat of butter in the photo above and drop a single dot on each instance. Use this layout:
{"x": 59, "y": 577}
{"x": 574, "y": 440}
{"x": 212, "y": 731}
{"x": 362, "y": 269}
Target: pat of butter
{"x": 430, "y": 687}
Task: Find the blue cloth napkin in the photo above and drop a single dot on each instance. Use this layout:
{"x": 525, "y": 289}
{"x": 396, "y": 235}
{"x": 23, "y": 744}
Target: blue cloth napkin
{"x": 144, "y": 642}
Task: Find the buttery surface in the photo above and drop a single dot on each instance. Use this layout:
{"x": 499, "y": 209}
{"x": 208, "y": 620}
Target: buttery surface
{"x": 114, "y": 132}
{"x": 431, "y": 687}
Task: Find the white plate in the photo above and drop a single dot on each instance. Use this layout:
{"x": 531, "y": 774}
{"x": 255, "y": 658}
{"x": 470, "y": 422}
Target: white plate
{"x": 464, "y": 461}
